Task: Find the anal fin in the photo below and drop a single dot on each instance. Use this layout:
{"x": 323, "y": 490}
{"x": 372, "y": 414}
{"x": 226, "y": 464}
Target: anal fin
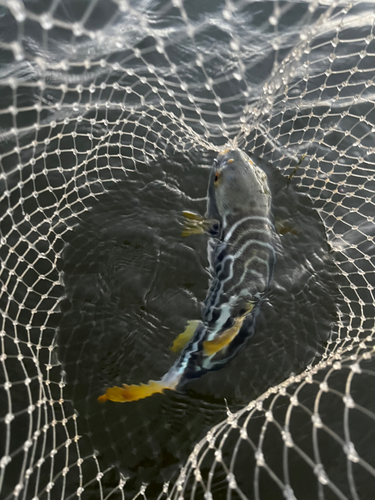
{"x": 180, "y": 342}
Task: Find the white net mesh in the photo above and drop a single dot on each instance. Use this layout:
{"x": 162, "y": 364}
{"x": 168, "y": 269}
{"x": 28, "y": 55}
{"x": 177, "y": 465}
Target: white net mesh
{"x": 93, "y": 91}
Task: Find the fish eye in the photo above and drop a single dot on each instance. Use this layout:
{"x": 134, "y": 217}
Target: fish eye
{"x": 217, "y": 175}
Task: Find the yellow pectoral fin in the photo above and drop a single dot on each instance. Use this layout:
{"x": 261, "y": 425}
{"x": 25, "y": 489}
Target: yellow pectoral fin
{"x": 211, "y": 347}
{"x": 290, "y": 177}
{"x": 180, "y": 342}
{"x": 192, "y": 216}
{"x": 283, "y": 227}
{"x": 194, "y": 224}
{"x": 128, "y": 393}
{"x": 191, "y": 229}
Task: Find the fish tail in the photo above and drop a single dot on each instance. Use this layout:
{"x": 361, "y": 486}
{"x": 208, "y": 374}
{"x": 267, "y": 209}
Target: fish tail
{"x": 171, "y": 380}
{"x": 128, "y": 393}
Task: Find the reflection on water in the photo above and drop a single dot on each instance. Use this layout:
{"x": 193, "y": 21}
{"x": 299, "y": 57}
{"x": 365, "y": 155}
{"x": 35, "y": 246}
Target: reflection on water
{"x": 132, "y": 282}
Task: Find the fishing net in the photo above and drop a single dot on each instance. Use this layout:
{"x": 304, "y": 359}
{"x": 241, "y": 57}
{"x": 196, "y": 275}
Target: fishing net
{"x": 91, "y": 91}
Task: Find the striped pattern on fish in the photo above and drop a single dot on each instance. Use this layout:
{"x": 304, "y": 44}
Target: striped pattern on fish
{"x": 242, "y": 263}
{"x": 241, "y": 254}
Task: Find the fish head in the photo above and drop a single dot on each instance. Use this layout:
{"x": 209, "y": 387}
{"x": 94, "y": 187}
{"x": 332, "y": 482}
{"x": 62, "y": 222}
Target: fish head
{"x": 237, "y": 185}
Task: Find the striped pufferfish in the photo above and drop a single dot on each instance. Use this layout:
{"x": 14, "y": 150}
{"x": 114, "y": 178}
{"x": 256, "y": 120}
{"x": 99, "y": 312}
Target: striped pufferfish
{"x": 241, "y": 254}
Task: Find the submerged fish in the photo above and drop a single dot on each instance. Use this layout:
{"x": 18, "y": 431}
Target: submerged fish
{"x": 241, "y": 253}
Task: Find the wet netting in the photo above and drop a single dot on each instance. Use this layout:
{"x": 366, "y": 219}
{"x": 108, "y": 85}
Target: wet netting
{"x": 109, "y": 112}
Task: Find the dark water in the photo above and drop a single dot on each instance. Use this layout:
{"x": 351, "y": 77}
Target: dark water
{"x": 132, "y": 282}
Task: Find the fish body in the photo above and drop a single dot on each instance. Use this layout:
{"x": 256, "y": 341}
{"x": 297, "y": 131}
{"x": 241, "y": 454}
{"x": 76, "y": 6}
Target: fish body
{"x": 241, "y": 254}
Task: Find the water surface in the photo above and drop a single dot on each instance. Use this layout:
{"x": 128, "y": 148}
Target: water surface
{"x": 132, "y": 282}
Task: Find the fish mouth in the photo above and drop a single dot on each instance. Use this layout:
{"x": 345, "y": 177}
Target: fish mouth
{"x": 225, "y": 151}
{"x": 230, "y": 155}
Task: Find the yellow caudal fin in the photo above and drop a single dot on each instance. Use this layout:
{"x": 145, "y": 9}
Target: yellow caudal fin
{"x": 211, "y": 347}
{"x": 180, "y": 342}
{"x": 194, "y": 224}
{"x": 128, "y": 393}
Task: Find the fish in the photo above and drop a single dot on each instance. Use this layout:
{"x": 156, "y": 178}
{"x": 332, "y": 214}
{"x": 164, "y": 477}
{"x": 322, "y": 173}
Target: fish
{"x": 241, "y": 255}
